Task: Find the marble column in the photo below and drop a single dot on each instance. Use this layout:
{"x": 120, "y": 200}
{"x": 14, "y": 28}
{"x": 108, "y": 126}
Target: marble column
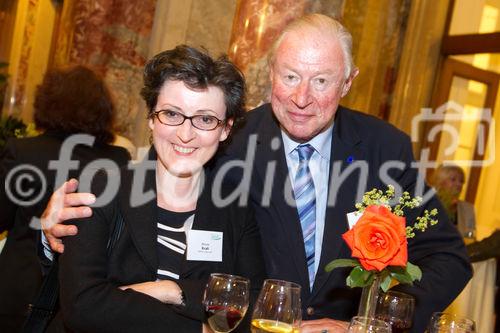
{"x": 256, "y": 24}
{"x": 419, "y": 62}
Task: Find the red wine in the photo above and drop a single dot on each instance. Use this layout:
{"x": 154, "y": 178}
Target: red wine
{"x": 223, "y": 319}
{"x": 397, "y": 325}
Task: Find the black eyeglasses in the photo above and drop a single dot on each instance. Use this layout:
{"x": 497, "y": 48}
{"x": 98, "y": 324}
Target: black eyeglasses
{"x": 202, "y": 122}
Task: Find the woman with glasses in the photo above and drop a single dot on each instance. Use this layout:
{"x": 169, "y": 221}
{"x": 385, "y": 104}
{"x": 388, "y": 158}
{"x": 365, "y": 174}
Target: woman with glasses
{"x": 152, "y": 280}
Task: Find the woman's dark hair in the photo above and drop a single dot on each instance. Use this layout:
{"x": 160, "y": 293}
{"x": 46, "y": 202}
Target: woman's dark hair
{"x": 197, "y": 70}
{"x": 75, "y": 100}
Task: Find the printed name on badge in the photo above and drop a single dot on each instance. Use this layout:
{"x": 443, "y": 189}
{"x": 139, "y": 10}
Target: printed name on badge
{"x": 204, "y": 245}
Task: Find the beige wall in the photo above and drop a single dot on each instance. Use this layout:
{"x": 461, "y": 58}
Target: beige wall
{"x": 486, "y": 205}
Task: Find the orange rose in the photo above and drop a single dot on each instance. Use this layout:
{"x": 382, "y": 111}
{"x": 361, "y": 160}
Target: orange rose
{"x": 378, "y": 239}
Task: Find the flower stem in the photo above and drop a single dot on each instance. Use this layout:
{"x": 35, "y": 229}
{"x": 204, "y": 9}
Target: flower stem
{"x": 369, "y": 297}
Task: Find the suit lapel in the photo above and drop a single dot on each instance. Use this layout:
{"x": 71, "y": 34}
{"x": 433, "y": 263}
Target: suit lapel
{"x": 346, "y": 148}
{"x": 288, "y": 215}
{"x": 141, "y": 220}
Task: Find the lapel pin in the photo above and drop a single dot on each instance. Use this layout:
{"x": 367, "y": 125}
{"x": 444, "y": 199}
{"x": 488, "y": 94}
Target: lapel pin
{"x": 350, "y": 159}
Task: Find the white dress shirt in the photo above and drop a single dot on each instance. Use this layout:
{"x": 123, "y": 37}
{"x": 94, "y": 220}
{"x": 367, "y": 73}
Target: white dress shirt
{"x": 319, "y": 166}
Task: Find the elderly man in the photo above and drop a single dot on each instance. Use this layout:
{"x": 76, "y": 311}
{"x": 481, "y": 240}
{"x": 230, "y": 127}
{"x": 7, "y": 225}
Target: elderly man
{"x": 304, "y": 142}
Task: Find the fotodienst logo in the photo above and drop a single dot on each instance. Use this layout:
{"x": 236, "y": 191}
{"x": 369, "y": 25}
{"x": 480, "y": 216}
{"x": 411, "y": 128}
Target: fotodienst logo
{"x": 466, "y": 134}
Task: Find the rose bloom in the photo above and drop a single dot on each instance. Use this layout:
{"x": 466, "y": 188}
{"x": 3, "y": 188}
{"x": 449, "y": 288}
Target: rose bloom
{"x": 378, "y": 239}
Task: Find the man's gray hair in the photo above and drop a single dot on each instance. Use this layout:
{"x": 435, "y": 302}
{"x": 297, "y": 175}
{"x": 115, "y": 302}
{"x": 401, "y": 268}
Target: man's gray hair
{"x": 325, "y": 25}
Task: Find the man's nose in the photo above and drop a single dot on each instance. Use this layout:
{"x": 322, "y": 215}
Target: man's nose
{"x": 186, "y": 131}
{"x": 302, "y": 98}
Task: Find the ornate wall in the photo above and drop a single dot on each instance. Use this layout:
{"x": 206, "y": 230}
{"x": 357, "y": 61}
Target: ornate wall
{"x": 256, "y": 25}
{"x": 113, "y": 38}
{"x": 377, "y": 27}
{"x": 116, "y": 38}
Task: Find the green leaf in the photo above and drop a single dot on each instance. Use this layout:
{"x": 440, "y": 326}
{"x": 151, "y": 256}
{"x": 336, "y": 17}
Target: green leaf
{"x": 341, "y": 263}
{"x": 386, "y": 282}
{"x": 414, "y": 271}
{"x": 400, "y": 274}
{"x": 359, "y": 277}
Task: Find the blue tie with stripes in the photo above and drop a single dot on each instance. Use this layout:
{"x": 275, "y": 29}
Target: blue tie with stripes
{"x": 305, "y": 198}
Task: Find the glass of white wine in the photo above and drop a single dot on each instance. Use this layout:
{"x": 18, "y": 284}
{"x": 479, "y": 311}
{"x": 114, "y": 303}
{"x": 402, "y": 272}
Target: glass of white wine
{"x": 361, "y": 324}
{"x": 278, "y": 308}
{"x": 450, "y": 323}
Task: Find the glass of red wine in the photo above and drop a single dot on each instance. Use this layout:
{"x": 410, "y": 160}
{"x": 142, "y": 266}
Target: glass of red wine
{"x": 226, "y": 301}
{"x": 397, "y": 309}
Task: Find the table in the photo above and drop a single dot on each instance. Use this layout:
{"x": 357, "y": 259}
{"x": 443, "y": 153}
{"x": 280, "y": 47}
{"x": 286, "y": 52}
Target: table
{"x": 477, "y": 300}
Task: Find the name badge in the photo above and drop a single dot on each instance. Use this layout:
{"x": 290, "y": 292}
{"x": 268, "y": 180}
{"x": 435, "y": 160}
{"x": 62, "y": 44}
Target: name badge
{"x": 204, "y": 245}
{"x": 352, "y": 218}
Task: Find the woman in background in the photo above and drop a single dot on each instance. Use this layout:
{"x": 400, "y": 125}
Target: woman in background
{"x": 448, "y": 181}
{"x": 69, "y": 101}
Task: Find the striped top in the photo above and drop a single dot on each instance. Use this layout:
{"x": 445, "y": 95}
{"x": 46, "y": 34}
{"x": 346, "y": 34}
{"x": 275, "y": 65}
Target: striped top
{"x": 171, "y": 242}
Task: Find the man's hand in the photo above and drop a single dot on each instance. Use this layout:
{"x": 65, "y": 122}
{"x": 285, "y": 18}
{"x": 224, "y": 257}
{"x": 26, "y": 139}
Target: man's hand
{"x": 64, "y": 205}
{"x": 324, "y": 325}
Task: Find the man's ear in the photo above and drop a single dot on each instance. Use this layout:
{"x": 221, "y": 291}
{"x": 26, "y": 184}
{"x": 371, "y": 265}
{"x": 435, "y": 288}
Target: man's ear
{"x": 226, "y": 130}
{"x": 348, "y": 83}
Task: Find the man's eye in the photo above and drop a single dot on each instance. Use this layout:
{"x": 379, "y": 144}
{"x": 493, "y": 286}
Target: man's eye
{"x": 290, "y": 77}
{"x": 321, "y": 80}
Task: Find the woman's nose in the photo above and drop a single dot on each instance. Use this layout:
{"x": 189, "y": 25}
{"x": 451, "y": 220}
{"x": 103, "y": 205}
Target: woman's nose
{"x": 186, "y": 132}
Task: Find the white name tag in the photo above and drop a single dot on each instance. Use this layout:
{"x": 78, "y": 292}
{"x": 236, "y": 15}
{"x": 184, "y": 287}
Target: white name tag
{"x": 352, "y": 218}
{"x": 204, "y": 245}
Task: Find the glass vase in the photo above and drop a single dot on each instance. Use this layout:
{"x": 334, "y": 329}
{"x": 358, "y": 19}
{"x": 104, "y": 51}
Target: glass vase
{"x": 369, "y": 298}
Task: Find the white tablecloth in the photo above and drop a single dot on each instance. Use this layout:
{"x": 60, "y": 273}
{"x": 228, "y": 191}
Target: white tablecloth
{"x": 477, "y": 300}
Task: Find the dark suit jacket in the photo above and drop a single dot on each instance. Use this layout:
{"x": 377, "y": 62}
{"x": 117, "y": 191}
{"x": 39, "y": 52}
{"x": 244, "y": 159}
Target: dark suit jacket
{"x": 20, "y": 275}
{"x": 357, "y": 138}
{"x": 89, "y": 280}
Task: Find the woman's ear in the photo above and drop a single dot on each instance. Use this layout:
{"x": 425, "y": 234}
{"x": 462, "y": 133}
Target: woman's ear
{"x": 151, "y": 123}
{"x": 226, "y": 130}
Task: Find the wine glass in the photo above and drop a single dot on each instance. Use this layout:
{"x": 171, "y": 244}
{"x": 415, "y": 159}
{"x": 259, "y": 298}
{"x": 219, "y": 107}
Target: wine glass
{"x": 278, "y": 308}
{"x": 226, "y": 301}
{"x": 397, "y": 309}
{"x": 442, "y": 322}
{"x": 360, "y": 324}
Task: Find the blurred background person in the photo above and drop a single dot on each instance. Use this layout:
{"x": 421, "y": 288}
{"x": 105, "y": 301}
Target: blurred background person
{"x": 448, "y": 180}
{"x": 69, "y": 101}
{"x": 485, "y": 249}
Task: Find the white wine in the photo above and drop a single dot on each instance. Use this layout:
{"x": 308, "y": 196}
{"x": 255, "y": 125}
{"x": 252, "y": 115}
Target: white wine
{"x": 272, "y": 326}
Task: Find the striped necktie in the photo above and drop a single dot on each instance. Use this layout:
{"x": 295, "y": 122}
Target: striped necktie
{"x": 305, "y": 198}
